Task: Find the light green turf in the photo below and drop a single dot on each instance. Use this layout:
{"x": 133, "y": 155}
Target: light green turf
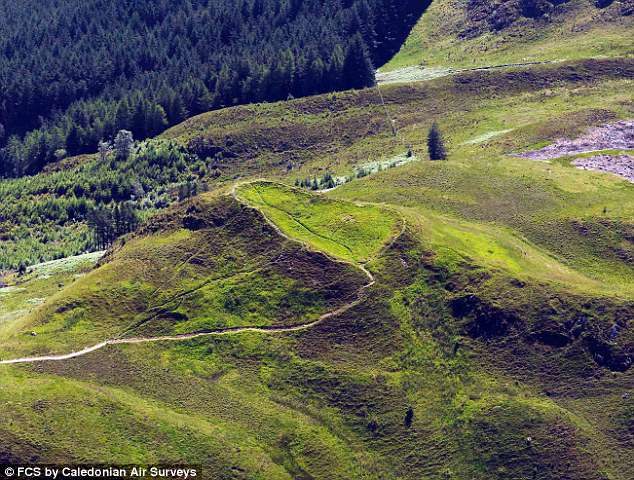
{"x": 349, "y": 231}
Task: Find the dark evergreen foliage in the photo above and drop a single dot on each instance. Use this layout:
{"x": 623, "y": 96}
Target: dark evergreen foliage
{"x": 435, "y": 144}
{"x": 109, "y": 222}
{"x": 74, "y": 72}
{"x": 409, "y": 417}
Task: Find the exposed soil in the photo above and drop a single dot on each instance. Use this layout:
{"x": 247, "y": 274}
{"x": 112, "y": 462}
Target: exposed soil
{"x": 613, "y": 136}
{"x": 415, "y": 73}
{"x": 621, "y": 165}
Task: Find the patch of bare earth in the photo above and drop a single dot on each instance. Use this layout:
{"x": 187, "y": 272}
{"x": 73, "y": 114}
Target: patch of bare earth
{"x": 621, "y": 165}
{"x": 613, "y": 136}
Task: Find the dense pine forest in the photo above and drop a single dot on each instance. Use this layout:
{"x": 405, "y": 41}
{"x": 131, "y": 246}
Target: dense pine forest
{"x": 75, "y": 72}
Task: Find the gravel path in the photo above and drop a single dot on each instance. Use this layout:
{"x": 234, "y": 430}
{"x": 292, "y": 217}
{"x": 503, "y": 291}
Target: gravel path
{"x": 613, "y": 136}
{"x": 419, "y": 73}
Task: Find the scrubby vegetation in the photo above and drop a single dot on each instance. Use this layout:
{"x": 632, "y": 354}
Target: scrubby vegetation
{"x": 468, "y": 319}
{"x": 86, "y": 207}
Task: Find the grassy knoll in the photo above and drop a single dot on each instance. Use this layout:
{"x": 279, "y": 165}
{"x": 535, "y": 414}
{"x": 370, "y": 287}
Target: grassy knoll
{"x": 348, "y": 231}
{"x": 453, "y": 34}
{"x": 210, "y": 264}
{"x": 552, "y": 206}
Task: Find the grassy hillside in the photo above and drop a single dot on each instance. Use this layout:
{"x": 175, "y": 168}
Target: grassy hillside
{"x": 494, "y": 341}
{"x": 485, "y": 116}
{"x": 211, "y": 264}
{"x": 302, "y": 138}
{"x": 413, "y": 382}
{"x": 354, "y": 233}
{"x": 458, "y": 33}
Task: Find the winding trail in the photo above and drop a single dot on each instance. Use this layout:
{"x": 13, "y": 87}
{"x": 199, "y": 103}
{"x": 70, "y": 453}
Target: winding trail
{"x": 188, "y": 336}
{"x": 230, "y": 330}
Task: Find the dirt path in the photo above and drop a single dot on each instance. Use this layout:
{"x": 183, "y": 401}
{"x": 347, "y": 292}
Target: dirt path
{"x": 187, "y": 336}
{"x": 422, "y": 74}
{"x": 223, "y": 331}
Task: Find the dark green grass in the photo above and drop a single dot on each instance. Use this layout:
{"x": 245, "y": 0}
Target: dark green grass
{"x": 313, "y": 405}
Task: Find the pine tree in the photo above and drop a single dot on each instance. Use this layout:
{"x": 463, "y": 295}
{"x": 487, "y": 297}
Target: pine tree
{"x": 123, "y": 117}
{"x": 435, "y": 144}
{"x": 73, "y": 141}
{"x": 156, "y": 120}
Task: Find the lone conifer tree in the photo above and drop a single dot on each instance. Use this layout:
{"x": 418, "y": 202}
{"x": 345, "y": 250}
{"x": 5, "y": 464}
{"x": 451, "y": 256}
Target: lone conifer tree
{"x": 123, "y": 144}
{"x": 435, "y": 144}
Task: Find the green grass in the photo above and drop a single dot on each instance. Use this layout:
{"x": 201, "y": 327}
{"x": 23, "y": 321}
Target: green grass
{"x": 126, "y": 428}
{"x": 490, "y": 318}
{"x": 349, "y": 231}
{"x": 179, "y": 280}
{"x": 578, "y": 31}
{"x": 25, "y": 294}
{"x": 505, "y": 212}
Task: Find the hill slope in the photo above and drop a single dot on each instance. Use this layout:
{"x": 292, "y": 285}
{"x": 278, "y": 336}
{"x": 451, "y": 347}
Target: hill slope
{"x": 87, "y": 69}
{"x": 413, "y": 381}
{"x": 462, "y": 319}
{"x": 468, "y": 34}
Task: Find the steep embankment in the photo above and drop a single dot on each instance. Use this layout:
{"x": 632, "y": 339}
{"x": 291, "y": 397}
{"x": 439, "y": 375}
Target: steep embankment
{"x": 211, "y": 267}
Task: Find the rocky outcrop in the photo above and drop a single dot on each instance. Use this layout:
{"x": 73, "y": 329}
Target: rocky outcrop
{"x": 612, "y": 136}
{"x": 497, "y": 15}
